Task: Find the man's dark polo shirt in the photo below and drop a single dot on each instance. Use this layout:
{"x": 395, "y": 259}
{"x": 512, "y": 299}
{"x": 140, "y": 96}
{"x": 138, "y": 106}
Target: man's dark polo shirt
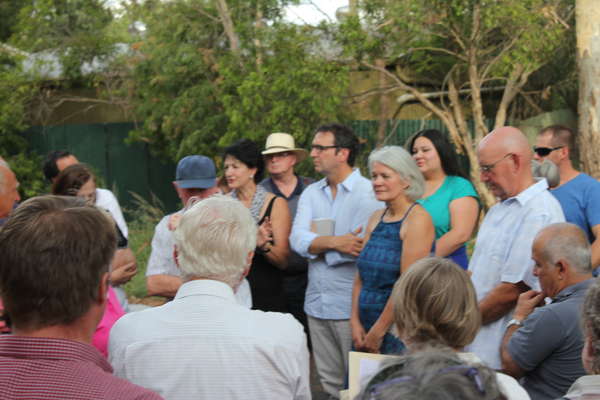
{"x": 548, "y": 345}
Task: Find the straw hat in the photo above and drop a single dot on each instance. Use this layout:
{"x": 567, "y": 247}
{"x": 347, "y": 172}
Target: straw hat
{"x": 282, "y": 142}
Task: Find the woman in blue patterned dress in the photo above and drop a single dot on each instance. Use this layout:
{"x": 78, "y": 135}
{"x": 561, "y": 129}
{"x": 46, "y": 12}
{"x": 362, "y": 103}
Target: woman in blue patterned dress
{"x": 396, "y": 236}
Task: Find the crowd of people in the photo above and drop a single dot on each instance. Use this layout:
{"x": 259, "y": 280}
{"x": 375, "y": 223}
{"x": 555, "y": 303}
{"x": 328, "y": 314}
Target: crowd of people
{"x": 259, "y": 274}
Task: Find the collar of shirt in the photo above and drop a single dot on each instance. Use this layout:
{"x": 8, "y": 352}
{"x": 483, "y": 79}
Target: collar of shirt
{"x": 580, "y": 287}
{"x": 206, "y": 287}
{"x": 347, "y": 183}
{"x": 34, "y": 348}
{"x": 297, "y": 190}
{"x": 531, "y": 192}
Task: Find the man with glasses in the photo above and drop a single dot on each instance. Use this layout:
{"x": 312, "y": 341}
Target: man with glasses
{"x": 281, "y": 155}
{"x": 501, "y": 265}
{"x": 331, "y": 215}
{"x": 577, "y": 193}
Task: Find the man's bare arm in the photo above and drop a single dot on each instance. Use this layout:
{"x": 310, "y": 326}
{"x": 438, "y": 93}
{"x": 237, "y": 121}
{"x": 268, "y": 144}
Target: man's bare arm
{"x": 163, "y": 285}
{"x": 500, "y": 301}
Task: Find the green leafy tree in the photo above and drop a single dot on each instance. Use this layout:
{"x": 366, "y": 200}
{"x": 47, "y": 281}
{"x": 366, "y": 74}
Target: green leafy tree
{"x": 209, "y": 72}
{"x": 447, "y": 54}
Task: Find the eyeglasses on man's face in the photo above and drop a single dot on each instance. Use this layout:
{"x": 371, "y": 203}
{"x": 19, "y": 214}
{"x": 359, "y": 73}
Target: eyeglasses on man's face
{"x": 278, "y": 155}
{"x": 544, "y": 151}
{"x": 489, "y": 167}
{"x": 318, "y": 148}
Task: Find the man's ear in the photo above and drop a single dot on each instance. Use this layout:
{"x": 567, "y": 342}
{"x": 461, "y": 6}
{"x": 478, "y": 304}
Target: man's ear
{"x": 344, "y": 152}
{"x": 176, "y": 256}
{"x": 102, "y": 296}
{"x": 563, "y": 268}
{"x": 249, "y": 258}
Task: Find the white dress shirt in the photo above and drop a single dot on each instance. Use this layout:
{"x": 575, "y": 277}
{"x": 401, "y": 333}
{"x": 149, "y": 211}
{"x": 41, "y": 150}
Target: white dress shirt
{"x": 503, "y": 254}
{"x": 203, "y": 345}
{"x": 106, "y": 199}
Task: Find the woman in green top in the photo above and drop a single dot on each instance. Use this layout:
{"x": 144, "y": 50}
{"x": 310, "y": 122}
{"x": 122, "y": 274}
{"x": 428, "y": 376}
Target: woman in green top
{"x": 449, "y": 196}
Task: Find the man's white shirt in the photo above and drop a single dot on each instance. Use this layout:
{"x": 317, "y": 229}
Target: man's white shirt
{"x": 503, "y": 254}
{"x": 205, "y": 345}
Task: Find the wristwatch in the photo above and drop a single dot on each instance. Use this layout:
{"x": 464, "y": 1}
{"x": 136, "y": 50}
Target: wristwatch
{"x": 514, "y": 322}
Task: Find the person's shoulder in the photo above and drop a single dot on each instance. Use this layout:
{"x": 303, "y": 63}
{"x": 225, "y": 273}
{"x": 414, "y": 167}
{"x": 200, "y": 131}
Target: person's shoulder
{"x": 122, "y": 389}
{"x": 587, "y": 180}
{"x": 278, "y": 327}
{"x": 460, "y": 184}
{"x": 164, "y": 222}
{"x": 105, "y": 194}
{"x": 135, "y": 326}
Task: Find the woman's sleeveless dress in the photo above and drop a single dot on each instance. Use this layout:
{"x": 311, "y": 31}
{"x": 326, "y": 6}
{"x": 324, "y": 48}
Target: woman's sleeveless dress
{"x": 379, "y": 268}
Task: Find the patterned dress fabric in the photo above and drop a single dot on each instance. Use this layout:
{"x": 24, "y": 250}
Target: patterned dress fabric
{"x": 379, "y": 268}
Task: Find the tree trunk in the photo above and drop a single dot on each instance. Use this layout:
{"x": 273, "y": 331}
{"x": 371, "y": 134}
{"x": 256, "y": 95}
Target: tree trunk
{"x": 383, "y": 105}
{"x": 588, "y": 56}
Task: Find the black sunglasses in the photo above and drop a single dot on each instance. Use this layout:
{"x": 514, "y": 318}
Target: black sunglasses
{"x": 544, "y": 151}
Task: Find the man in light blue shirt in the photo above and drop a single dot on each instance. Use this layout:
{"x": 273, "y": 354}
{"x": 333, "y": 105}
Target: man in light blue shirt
{"x": 332, "y": 213}
{"x": 577, "y": 193}
{"x": 501, "y": 265}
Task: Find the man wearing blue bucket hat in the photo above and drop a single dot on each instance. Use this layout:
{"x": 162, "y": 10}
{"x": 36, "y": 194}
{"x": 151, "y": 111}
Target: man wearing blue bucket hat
{"x": 195, "y": 179}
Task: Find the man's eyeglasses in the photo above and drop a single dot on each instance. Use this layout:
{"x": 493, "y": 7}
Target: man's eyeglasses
{"x": 544, "y": 151}
{"x": 278, "y": 155}
{"x": 488, "y": 168}
{"x": 318, "y": 148}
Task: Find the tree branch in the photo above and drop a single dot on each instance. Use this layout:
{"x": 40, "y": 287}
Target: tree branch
{"x": 224, "y": 14}
{"x": 439, "y": 50}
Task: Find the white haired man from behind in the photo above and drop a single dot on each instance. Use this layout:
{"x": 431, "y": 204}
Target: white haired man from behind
{"x": 191, "y": 347}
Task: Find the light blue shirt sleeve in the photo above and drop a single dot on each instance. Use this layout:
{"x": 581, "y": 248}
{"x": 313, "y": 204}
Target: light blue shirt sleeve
{"x": 301, "y": 236}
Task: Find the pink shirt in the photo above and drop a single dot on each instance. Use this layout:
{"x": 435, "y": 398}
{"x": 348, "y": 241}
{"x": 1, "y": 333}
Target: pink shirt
{"x": 112, "y": 313}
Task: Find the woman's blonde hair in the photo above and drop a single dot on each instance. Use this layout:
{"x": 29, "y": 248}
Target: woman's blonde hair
{"x": 435, "y": 303}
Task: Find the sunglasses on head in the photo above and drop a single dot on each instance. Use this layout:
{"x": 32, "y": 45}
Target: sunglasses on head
{"x": 544, "y": 151}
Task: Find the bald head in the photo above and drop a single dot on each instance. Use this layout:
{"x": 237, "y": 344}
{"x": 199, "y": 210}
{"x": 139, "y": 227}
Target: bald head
{"x": 505, "y": 162}
{"x": 507, "y": 139}
{"x": 565, "y": 241}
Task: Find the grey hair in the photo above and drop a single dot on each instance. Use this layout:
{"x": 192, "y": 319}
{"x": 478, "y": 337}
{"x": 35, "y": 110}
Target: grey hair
{"x": 546, "y": 169}
{"x": 432, "y": 374}
{"x": 567, "y": 241}
{"x": 590, "y": 321}
{"x": 213, "y": 240}
{"x": 398, "y": 159}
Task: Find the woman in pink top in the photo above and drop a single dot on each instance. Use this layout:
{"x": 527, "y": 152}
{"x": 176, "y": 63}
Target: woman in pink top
{"x": 78, "y": 180}
{"x": 112, "y": 313}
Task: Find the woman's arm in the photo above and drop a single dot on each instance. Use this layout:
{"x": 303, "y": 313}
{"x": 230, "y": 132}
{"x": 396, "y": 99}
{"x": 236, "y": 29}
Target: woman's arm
{"x": 280, "y": 224}
{"x": 358, "y": 331}
{"x": 463, "y": 218}
{"x": 417, "y": 235}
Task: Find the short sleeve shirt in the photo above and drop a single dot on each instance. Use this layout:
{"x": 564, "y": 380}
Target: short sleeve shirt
{"x": 580, "y": 201}
{"x": 438, "y": 204}
{"x": 548, "y": 346}
{"x": 161, "y": 261}
{"x": 503, "y": 254}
